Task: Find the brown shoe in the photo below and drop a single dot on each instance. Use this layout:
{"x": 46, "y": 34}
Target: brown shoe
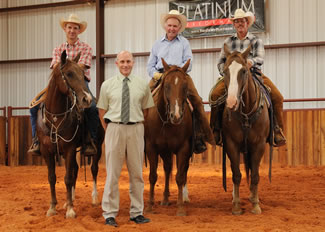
{"x": 34, "y": 148}
{"x": 91, "y": 148}
{"x": 279, "y": 138}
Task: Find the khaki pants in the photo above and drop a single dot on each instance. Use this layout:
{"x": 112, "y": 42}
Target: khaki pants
{"x": 123, "y": 142}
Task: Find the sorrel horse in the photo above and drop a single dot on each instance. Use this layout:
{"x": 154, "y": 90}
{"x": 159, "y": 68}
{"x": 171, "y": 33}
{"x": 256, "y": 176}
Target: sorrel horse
{"x": 168, "y": 131}
{"x": 59, "y": 124}
{"x": 245, "y": 125}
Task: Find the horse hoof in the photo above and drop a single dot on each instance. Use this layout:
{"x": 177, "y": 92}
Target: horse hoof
{"x": 95, "y": 202}
{"x": 256, "y": 209}
{"x": 70, "y": 214}
{"x": 51, "y": 212}
{"x": 236, "y": 210}
{"x": 166, "y": 203}
{"x": 186, "y": 199}
{"x": 181, "y": 212}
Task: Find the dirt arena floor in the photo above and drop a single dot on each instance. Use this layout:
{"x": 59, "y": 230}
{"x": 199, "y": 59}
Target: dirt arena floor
{"x": 294, "y": 201}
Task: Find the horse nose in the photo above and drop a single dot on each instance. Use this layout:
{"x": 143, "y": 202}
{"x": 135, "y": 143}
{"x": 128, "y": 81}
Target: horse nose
{"x": 86, "y": 100}
{"x": 231, "y": 102}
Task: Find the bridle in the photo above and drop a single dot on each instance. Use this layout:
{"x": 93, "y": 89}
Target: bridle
{"x": 167, "y": 105}
{"x": 55, "y": 129}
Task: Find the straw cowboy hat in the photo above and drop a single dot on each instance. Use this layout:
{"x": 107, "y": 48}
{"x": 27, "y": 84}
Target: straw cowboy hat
{"x": 74, "y": 19}
{"x": 239, "y": 14}
{"x": 174, "y": 14}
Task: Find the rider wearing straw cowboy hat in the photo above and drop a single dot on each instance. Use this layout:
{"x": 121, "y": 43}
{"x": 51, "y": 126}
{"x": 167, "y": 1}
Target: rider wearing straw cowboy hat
{"x": 240, "y": 42}
{"x": 176, "y": 50}
{"x": 72, "y": 27}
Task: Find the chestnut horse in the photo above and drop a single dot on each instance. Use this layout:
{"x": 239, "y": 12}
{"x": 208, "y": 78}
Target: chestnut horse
{"x": 168, "y": 131}
{"x": 245, "y": 125}
{"x": 59, "y": 124}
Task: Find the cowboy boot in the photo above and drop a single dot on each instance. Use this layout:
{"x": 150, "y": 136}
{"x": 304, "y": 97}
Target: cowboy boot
{"x": 34, "y": 148}
{"x": 279, "y": 138}
{"x": 215, "y": 123}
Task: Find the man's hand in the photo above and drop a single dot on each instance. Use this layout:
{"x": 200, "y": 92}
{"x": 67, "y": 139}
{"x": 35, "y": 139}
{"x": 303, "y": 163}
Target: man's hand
{"x": 157, "y": 76}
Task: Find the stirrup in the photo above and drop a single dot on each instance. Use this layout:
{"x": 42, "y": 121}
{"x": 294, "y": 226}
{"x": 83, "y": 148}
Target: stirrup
{"x": 279, "y": 138}
{"x": 34, "y": 148}
{"x": 90, "y": 149}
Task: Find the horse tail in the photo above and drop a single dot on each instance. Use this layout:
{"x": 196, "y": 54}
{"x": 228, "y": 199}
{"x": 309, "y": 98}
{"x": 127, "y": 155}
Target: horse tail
{"x": 248, "y": 165}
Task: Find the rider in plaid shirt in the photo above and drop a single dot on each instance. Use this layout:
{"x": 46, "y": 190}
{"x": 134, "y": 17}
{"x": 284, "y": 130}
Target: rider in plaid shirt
{"x": 240, "y": 42}
{"x": 72, "y": 28}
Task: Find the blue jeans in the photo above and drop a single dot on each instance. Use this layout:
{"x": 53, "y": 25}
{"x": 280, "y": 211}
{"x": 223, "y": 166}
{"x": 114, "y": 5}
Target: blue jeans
{"x": 33, "y": 118}
{"x": 92, "y": 117}
{"x": 91, "y": 114}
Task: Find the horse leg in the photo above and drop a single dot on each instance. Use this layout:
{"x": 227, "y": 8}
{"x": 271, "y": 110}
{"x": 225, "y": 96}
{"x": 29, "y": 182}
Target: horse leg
{"x": 236, "y": 179}
{"x": 52, "y": 181}
{"x": 94, "y": 172}
{"x": 185, "y": 190}
{"x": 153, "y": 160}
{"x": 69, "y": 183}
{"x": 255, "y": 177}
{"x": 182, "y": 167}
{"x": 168, "y": 165}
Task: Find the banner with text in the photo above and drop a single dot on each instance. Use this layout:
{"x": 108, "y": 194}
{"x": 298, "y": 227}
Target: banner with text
{"x": 207, "y": 18}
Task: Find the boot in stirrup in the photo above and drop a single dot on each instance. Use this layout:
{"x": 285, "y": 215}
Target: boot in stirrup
{"x": 91, "y": 148}
{"x": 34, "y": 148}
{"x": 279, "y": 138}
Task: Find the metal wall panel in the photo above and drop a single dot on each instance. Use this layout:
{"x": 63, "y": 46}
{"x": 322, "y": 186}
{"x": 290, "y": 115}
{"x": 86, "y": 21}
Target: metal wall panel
{"x": 134, "y": 25}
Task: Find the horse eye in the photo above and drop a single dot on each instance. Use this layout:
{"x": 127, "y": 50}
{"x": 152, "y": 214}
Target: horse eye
{"x": 69, "y": 74}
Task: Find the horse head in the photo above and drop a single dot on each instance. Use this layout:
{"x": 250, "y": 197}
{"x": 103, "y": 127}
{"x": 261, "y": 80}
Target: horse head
{"x": 70, "y": 81}
{"x": 236, "y": 73}
{"x": 175, "y": 89}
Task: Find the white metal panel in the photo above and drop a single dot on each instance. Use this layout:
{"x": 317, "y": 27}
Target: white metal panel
{"x": 296, "y": 77}
{"x": 29, "y": 34}
{"x": 135, "y": 25}
{"x": 320, "y": 20}
{"x": 321, "y": 74}
{"x": 3, "y": 37}
{"x": 310, "y": 75}
{"x": 296, "y": 21}
{"x": 309, "y": 15}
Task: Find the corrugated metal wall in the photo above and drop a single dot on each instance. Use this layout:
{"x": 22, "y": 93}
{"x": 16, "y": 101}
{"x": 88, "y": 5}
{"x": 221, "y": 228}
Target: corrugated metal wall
{"x": 135, "y": 24}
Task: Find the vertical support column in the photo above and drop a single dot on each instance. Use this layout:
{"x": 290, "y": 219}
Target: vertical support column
{"x": 100, "y": 62}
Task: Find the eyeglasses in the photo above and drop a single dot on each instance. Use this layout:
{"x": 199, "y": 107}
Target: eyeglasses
{"x": 240, "y": 21}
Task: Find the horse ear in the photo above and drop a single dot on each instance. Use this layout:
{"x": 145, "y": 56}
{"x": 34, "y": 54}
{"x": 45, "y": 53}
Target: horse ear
{"x": 63, "y": 57}
{"x": 246, "y": 52}
{"x": 76, "y": 59}
{"x": 166, "y": 66}
{"x": 226, "y": 50}
{"x": 185, "y": 67}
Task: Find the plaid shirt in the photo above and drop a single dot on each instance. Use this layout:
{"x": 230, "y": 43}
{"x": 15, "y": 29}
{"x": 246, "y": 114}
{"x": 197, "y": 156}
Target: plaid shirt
{"x": 256, "y": 55}
{"x": 72, "y": 51}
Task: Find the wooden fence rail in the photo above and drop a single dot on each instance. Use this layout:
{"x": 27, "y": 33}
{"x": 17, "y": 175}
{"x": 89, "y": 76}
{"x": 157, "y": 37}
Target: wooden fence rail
{"x": 304, "y": 129}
